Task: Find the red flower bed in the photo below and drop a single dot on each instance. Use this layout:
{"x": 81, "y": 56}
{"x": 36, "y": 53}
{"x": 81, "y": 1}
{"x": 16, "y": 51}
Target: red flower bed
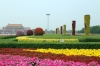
{"x": 19, "y": 51}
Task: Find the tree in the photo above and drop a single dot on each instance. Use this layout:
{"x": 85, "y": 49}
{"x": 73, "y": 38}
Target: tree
{"x": 93, "y": 30}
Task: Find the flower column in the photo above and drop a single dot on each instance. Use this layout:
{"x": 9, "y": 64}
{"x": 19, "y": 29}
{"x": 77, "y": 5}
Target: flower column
{"x": 60, "y": 29}
{"x": 64, "y": 29}
{"x": 87, "y": 25}
{"x": 73, "y": 27}
{"x": 57, "y": 30}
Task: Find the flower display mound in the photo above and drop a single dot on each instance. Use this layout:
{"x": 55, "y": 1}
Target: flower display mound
{"x": 38, "y": 31}
{"x": 20, "y": 33}
{"x": 51, "y": 56}
{"x": 16, "y": 60}
{"x": 29, "y": 32}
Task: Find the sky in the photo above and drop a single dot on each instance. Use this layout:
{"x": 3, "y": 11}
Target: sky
{"x": 32, "y": 13}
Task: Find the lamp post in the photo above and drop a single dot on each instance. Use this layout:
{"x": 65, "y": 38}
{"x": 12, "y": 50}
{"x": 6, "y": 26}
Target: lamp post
{"x": 3, "y": 30}
{"x": 48, "y": 23}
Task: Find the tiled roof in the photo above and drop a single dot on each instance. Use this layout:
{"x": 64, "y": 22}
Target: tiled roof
{"x": 14, "y": 25}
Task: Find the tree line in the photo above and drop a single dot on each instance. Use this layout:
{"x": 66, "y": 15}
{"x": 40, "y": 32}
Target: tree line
{"x": 93, "y": 30}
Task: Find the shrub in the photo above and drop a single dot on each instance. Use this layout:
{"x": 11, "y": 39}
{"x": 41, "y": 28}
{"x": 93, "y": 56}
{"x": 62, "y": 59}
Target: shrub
{"x": 29, "y": 32}
{"x": 6, "y": 37}
{"x": 20, "y": 33}
{"x": 38, "y": 31}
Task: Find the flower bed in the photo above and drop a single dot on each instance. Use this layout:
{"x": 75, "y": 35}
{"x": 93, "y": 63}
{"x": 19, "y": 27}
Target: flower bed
{"x": 26, "y": 39}
{"x": 83, "y": 55}
{"x": 48, "y": 58}
{"x": 27, "y": 61}
{"x": 68, "y": 52}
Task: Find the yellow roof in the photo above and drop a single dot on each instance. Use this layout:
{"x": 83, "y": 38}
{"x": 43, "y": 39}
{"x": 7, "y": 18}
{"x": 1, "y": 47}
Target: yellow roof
{"x": 14, "y": 25}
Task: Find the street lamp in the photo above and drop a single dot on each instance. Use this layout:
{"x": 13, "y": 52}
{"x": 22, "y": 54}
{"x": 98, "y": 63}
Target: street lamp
{"x": 3, "y": 30}
{"x": 48, "y": 23}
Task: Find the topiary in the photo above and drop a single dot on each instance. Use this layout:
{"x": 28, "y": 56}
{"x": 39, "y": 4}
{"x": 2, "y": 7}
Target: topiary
{"x": 20, "y": 33}
{"x": 38, "y": 31}
{"x": 29, "y": 32}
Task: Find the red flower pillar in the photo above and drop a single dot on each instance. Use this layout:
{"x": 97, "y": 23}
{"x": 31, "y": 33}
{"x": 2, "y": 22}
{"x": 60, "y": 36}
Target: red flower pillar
{"x": 73, "y": 27}
{"x": 60, "y": 29}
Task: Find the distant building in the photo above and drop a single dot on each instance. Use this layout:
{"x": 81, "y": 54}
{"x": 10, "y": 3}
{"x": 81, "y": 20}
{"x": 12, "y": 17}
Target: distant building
{"x": 13, "y": 28}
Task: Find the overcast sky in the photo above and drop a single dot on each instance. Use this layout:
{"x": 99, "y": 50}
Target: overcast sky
{"x": 32, "y": 13}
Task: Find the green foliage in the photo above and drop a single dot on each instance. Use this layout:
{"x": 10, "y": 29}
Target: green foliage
{"x": 93, "y": 30}
{"x": 85, "y": 45}
{"x": 89, "y": 42}
{"x": 7, "y": 37}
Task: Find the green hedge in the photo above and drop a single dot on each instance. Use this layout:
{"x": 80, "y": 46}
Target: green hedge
{"x": 7, "y": 37}
{"x": 88, "y": 45}
{"x": 89, "y": 40}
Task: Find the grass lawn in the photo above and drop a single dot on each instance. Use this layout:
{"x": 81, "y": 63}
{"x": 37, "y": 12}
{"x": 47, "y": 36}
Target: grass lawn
{"x": 62, "y": 36}
{"x": 53, "y": 36}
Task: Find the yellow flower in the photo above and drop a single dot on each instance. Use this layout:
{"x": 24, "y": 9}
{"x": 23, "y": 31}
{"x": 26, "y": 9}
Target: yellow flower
{"x": 68, "y": 52}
